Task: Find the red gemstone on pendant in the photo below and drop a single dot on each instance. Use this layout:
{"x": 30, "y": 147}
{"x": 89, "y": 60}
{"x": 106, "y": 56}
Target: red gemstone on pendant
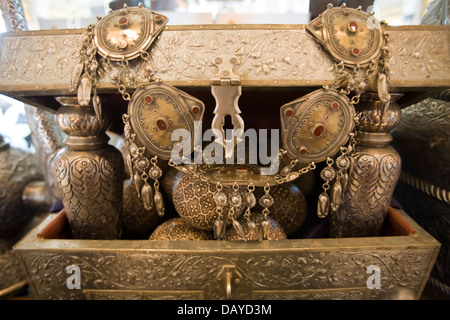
{"x": 158, "y": 18}
{"x": 352, "y": 26}
{"x": 195, "y": 110}
{"x": 355, "y": 51}
{"x": 318, "y": 130}
{"x": 335, "y": 105}
{"x": 123, "y": 21}
{"x": 161, "y": 124}
{"x": 303, "y": 150}
{"x": 318, "y": 23}
{"x": 148, "y": 99}
{"x": 289, "y": 113}
{"x": 241, "y": 169}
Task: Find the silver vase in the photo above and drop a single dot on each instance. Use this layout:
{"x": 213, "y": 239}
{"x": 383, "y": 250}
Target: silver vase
{"x": 89, "y": 173}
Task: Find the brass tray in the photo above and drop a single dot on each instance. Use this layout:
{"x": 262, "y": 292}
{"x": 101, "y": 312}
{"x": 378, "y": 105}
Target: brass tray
{"x": 325, "y": 268}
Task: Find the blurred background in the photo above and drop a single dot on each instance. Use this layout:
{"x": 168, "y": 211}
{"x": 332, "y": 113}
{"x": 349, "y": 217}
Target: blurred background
{"x": 63, "y": 14}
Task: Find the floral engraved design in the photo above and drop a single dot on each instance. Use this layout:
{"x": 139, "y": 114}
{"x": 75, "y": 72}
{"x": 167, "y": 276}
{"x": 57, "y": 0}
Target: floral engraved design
{"x": 279, "y": 271}
{"x": 267, "y": 53}
{"x": 430, "y": 115}
{"x": 88, "y": 186}
{"x": 185, "y": 54}
{"x": 43, "y": 59}
{"x": 424, "y": 53}
{"x": 374, "y": 176}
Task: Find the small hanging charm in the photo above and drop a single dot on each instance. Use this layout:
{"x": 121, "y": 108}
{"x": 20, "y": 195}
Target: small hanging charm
{"x": 221, "y": 200}
{"x": 96, "y": 102}
{"x": 336, "y": 195}
{"x": 141, "y": 163}
{"x": 219, "y": 228}
{"x": 84, "y": 91}
{"x": 220, "y": 197}
{"x": 323, "y": 205}
{"x": 250, "y": 202}
{"x": 342, "y": 163}
{"x": 250, "y": 199}
{"x": 155, "y": 173}
{"x": 138, "y": 183}
{"x": 236, "y": 202}
{"x": 159, "y": 201}
{"x": 235, "y": 197}
{"x": 327, "y": 174}
{"x": 266, "y": 201}
{"x": 265, "y": 227}
{"x": 147, "y": 196}
{"x": 383, "y": 93}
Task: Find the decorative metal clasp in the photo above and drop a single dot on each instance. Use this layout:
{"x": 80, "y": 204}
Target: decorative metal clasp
{"x": 226, "y": 90}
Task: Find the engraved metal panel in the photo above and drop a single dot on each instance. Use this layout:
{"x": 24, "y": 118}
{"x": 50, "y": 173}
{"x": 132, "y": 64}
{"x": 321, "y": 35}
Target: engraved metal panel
{"x": 278, "y": 266}
{"x": 41, "y": 62}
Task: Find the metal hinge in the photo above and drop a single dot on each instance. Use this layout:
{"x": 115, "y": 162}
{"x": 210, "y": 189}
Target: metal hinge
{"x": 226, "y": 75}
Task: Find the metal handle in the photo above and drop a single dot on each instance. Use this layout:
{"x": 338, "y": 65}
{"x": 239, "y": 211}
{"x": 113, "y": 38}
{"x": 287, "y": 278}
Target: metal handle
{"x": 226, "y": 276}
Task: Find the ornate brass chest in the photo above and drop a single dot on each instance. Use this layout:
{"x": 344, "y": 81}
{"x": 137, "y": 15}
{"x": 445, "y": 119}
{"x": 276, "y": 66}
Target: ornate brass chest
{"x": 288, "y": 269}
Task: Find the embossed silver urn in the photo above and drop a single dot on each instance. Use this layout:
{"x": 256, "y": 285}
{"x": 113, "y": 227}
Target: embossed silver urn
{"x": 89, "y": 173}
{"x": 374, "y": 171}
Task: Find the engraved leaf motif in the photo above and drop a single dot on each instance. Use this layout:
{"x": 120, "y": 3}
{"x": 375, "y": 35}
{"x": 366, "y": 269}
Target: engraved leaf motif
{"x": 186, "y": 58}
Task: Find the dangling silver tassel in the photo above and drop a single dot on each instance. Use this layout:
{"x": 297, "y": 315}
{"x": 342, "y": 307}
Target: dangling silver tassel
{"x": 265, "y": 228}
{"x": 159, "y": 203}
{"x": 250, "y": 202}
{"x": 147, "y": 196}
{"x": 237, "y": 226}
{"x": 221, "y": 200}
{"x": 266, "y": 201}
{"x": 323, "y": 205}
{"x": 155, "y": 173}
{"x": 336, "y": 195}
{"x": 219, "y": 228}
{"x": 96, "y": 102}
{"x": 84, "y": 91}
{"x": 138, "y": 183}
